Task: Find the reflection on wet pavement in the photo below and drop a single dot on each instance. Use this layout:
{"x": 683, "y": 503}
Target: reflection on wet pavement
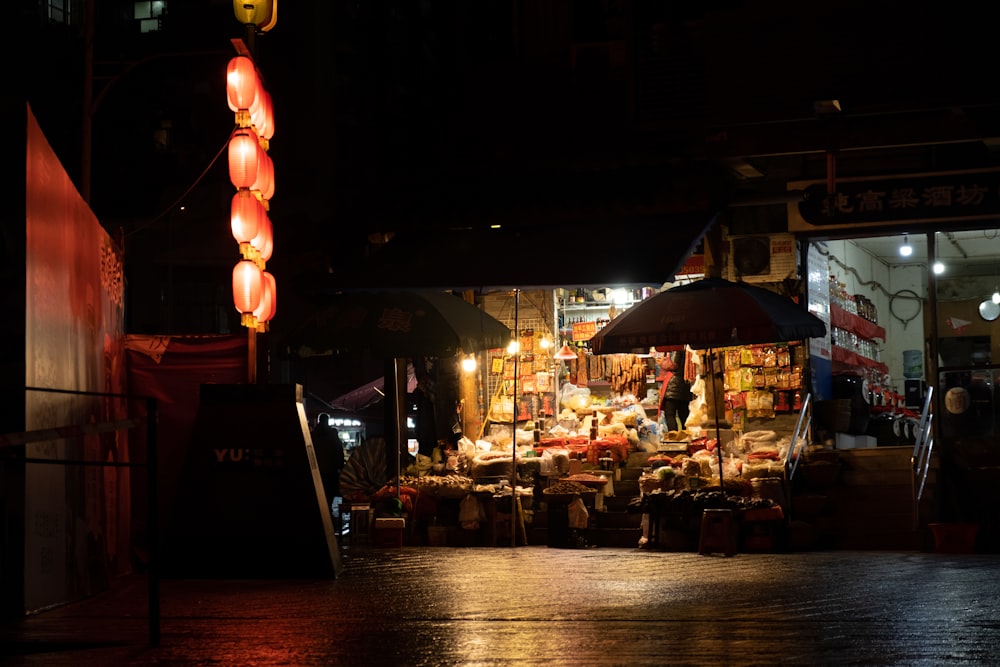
{"x": 537, "y": 605}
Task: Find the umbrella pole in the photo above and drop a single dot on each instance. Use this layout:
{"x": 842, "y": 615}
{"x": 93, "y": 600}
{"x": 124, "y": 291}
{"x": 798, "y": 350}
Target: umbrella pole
{"x": 715, "y": 402}
{"x": 513, "y": 425}
{"x": 399, "y": 380}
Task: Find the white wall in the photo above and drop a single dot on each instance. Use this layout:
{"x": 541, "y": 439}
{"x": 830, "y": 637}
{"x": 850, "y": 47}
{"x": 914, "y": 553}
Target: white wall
{"x": 887, "y": 286}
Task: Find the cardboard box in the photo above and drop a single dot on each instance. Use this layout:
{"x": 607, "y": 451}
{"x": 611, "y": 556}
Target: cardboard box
{"x": 389, "y": 532}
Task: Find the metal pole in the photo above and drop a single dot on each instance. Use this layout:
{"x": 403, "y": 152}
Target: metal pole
{"x": 152, "y": 473}
{"x": 399, "y": 382}
{"x": 513, "y": 431}
{"x": 252, "y": 355}
{"x": 715, "y": 402}
{"x": 87, "y": 131}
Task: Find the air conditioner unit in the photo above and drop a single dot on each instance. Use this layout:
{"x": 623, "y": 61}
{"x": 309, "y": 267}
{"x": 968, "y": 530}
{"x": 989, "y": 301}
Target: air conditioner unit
{"x": 762, "y": 258}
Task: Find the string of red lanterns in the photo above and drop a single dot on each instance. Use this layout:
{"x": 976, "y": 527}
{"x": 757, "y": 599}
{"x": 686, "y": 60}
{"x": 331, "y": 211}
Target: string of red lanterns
{"x": 251, "y": 172}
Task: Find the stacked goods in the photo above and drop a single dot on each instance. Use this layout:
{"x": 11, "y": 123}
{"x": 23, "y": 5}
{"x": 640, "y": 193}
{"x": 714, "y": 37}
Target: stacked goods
{"x": 491, "y": 464}
{"x": 567, "y": 487}
{"x": 693, "y": 503}
{"x": 760, "y": 441}
{"x": 588, "y": 480}
{"x": 565, "y": 491}
{"x": 626, "y": 374}
{"x": 764, "y": 454}
{"x": 445, "y": 486}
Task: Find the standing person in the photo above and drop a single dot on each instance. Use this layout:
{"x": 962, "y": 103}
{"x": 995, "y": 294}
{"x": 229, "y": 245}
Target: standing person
{"x": 675, "y": 392}
{"x": 329, "y": 456}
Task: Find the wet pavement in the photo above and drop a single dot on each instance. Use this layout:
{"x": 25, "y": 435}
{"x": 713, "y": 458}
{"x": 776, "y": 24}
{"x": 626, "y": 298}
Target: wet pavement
{"x": 534, "y": 605}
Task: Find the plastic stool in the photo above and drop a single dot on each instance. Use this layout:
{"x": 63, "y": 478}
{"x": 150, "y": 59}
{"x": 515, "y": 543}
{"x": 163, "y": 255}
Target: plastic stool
{"x": 717, "y": 533}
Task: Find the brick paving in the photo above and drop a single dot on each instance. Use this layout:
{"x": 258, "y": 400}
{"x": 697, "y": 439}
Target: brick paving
{"x": 535, "y": 605}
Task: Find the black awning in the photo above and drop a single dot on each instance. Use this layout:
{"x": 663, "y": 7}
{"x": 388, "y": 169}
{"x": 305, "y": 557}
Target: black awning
{"x": 646, "y": 252}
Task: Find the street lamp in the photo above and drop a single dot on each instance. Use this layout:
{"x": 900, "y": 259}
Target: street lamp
{"x": 251, "y": 172}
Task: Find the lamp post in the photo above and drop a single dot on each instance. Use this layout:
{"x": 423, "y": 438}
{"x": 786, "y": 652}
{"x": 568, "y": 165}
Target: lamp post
{"x": 251, "y": 172}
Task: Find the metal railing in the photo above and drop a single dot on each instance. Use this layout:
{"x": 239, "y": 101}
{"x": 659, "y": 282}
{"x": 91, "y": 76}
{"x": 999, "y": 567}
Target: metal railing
{"x": 12, "y": 440}
{"x": 800, "y": 434}
{"x": 923, "y": 448}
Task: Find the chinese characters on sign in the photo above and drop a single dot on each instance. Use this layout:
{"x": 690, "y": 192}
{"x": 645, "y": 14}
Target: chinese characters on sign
{"x": 584, "y": 331}
{"x": 395, "y": 319}
{"x": 974, "y": 194}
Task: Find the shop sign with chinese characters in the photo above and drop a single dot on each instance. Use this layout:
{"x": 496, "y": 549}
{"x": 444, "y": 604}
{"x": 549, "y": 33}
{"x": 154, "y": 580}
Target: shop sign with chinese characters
{"x": 913, "y": 199}
{"x": 584, "y": 331}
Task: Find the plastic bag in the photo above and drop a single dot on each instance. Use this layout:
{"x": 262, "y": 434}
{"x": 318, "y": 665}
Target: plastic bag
{"x": 471, "y": 512}
{"x": 579, "y": 517}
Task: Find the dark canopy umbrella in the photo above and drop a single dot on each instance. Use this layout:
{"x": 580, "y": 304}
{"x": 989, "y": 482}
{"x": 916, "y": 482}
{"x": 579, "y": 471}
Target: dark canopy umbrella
{"x": 400, "y": 323}
{"x": 704, "y": 314}
{"x": 397, "y": 324}
{"x": 708, "y": 313}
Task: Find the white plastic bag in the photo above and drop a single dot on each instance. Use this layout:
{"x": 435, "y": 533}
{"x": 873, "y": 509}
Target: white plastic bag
{"x": 579, "y": 517}
{"x": 471, "y": 512}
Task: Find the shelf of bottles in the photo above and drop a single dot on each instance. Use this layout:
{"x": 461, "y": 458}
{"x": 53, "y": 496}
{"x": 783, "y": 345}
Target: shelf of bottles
{"x": 856, "y": 336}
{"x": 582, "y": 312}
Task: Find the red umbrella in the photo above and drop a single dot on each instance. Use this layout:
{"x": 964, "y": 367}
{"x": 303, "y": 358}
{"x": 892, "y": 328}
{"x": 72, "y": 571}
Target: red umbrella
{"x": 706, "y": 314}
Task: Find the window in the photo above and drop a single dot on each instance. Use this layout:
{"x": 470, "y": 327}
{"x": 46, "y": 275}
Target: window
{"x": 148, "y": 14}
{"x": 59, "y": 11}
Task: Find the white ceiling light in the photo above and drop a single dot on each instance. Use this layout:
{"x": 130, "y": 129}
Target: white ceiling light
{"x": 906, "y": 249}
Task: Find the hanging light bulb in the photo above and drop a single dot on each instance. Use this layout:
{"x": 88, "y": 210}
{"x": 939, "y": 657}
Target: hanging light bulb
{"x": 469, "y": 363}
{"x": 996, "y": 295}
{"x": 938, "y": 268}
{"x": 565, "y": 353}
{"x": 906, "y": 249}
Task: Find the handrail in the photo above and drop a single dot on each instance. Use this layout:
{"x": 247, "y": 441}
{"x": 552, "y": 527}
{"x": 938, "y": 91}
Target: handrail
{"x": 922, "y": 449}
{"x": 800, "y": 433}
{"x": 11, "y": 440}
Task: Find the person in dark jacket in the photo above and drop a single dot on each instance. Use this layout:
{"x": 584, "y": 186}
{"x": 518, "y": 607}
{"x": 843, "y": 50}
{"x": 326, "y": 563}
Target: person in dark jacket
{"x": 675, "y": 392}
{"x": 329, "y": 455}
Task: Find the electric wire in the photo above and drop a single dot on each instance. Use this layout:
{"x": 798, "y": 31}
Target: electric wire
{"x": 186, "y": 192}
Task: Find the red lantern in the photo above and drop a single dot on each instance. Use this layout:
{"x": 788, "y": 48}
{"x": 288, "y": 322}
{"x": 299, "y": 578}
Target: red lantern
{"x": 263, "y": 117}
{"x": 242, "y": 83}
{"x": 247, "y": 286}
{"x": 264, "y": 183}
{"x": 245, "y": 216}
{"x": 263, "y": 242}
{"x": 269, "y": 299}
{"x": 244, "y": 158}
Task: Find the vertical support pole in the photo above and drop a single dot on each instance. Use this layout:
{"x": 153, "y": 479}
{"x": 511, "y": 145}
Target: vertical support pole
{"x": 513, "y": 423}
{"x": 152, "y": 500}
{"x": 252, "y": 355}
{"x": 87, "y": 134}
{"x": 399, "y": 387}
